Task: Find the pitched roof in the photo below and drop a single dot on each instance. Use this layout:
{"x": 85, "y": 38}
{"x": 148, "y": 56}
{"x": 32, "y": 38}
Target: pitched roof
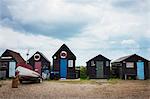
{"x": 99, "y": 56}
{"x": 14, "y": 54}
{"x": 122, "y": 58}
{"x": 126, "y": 57}
{"x": 43, "y": 55}
{"x": 64, "y": 47}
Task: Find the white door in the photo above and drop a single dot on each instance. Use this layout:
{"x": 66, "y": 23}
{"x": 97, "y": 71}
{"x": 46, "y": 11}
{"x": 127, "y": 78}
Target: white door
{"x": 12, "y": 66}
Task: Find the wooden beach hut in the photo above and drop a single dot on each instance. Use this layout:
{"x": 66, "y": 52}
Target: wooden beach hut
{"x": 98, "y": 67}
{"x": 40, "y": 64}
{"x": 8, "y": 62}
{"x": 131, "y": 67}
{"x": 64, "y": 63}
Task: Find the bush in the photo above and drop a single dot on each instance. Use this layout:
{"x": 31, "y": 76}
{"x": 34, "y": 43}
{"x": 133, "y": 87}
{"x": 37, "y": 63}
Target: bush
{"x": 83, "y": 72}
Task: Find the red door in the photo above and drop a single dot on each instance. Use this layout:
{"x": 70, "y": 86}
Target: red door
{"x": 38, "y": 67}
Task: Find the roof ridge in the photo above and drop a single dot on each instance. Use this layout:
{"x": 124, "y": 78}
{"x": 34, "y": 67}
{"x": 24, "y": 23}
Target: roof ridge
{"x": 64, "y": 45}
{"x": 97, "y": 56}
{"x": 123, "y": 58}
{"x": 12, "y": 51}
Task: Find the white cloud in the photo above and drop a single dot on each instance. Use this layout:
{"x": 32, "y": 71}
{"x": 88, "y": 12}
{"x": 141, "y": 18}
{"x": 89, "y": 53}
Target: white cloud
{"x": 128, "y": 42}
{"x": 102, "y": 19}
{"x": 27, "y": 11}
{"x": 13, "y": 39}
{"x": 106, "y": 27}
{"x": 10, "y": 39}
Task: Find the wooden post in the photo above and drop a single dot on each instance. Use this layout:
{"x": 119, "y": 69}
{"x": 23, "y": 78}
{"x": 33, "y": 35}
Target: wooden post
{"x": 125, "y": 77}
{"x": 15, "y": 81}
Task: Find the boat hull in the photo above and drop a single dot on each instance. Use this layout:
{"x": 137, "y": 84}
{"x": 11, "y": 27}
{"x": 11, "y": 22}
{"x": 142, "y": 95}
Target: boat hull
{"x": 26, "y": 72}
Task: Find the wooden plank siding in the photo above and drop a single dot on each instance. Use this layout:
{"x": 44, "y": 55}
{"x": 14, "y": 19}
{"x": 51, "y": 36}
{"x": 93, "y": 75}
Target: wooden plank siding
{"x": 126, "y": 71}
{"x": 43, "y": 61}
{"x": 92, "y": 70}
{"x": 71, "y": 72}
{"x": 8, "y": 57}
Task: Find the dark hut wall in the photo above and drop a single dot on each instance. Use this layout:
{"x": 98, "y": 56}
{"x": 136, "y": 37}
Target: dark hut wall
{"x": 43, "y": 61}
{"x": 92, "y": 69}
{"x": 71, "y": 73}
{"x": 70, "y": 70}
{"x": 117, "y": 70}
{"x": 56, "y": 65}
{"x": 121, "y": 69}
{"x": 6, "y": 69}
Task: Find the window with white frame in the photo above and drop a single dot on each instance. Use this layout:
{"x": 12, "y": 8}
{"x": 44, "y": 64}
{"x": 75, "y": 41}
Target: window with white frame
{"x": 129, "y": 65}
{"x": 70, "y": 63}
{"x": 92, "y": 63}
{"x": 107, "y": 63}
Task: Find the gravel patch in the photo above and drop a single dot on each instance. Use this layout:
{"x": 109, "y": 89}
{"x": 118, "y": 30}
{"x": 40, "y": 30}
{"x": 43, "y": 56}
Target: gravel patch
{"x": 133, "y": 89}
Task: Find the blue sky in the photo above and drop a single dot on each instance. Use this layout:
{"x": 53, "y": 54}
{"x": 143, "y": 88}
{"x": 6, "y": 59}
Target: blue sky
{"x": 113, "y": 28}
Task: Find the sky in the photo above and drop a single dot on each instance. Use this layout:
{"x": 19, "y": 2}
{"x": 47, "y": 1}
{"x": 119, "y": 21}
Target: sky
{"x": 113, "y": 28}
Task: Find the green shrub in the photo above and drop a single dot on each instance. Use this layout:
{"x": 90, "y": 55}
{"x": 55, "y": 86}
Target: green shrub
{"x": 83, "y": 72}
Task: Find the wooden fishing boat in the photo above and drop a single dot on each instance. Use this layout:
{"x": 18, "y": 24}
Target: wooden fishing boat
{"x": 26, "y": 74}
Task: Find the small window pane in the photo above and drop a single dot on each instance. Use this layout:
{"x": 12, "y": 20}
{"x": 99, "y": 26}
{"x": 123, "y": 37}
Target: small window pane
{"x": 70, "y": 63}
{"x": 92, "y": 63}
{"x": 107, "y": 63}
{"x": 129, "y": 65}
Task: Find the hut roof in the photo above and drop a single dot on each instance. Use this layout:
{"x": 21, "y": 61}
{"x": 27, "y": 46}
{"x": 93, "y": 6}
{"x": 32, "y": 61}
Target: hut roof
{"x": 66, "y": 48}
{"x": 126, "y": 57}
{"x": 99, "y": 56}
{"x": 41, "y": 55}
{"x": 122, "y": 58}
{"x": 14, "y": 54}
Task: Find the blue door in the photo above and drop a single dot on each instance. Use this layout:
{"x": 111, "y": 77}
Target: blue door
{"x": 63, "y": 68}
{"x": 140, "y": 70}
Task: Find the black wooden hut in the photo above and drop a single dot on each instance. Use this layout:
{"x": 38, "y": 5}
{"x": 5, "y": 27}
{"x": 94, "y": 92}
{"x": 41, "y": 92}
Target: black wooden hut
{"x": 149, "y": 69}
{"x": 64, "y": 63}
{"x": 8, "y": 62}
{"x": 131, "y": 67}
{"x": 98, "y": 67}
{"x": 40, "y": 64}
